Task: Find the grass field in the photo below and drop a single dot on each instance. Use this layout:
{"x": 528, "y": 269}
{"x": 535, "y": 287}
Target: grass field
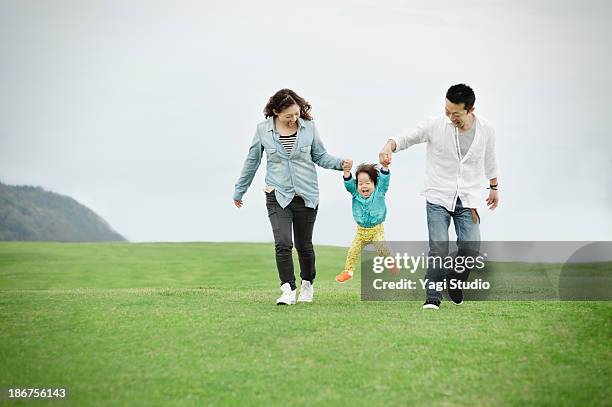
{"x": 194, "y": 324}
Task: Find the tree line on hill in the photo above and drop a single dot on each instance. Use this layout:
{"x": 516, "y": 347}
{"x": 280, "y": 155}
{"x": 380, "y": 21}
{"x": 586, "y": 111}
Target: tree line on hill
{"x": 30, "y": 213}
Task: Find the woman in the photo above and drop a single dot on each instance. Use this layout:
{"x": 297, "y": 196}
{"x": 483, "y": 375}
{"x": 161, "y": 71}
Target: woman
{"x": 292, "y": 146}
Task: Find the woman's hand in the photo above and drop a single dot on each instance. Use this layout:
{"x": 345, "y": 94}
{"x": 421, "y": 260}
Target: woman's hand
{"x": 238, "y": 203}
{"x": 347, "y": 164}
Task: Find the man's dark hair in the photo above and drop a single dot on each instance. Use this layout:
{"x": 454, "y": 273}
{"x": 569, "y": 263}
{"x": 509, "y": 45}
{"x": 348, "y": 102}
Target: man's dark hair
{"x": 369, "y": 169}
{"x": 461, "y": 93}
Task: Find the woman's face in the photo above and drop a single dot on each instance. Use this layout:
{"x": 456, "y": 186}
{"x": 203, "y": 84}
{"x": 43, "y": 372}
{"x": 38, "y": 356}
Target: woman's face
{"x": 288, "y": 116}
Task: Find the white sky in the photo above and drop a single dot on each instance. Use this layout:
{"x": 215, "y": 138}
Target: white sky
{"x": 144, "y": 110}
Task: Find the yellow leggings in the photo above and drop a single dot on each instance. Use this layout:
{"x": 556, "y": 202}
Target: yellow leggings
{"x": 364, "y": 236}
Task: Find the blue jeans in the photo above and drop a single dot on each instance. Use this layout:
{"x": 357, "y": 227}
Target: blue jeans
{"x": 468, "y": 241}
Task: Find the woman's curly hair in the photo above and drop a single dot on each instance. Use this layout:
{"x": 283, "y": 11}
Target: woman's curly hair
{"x": 285, "y": 98}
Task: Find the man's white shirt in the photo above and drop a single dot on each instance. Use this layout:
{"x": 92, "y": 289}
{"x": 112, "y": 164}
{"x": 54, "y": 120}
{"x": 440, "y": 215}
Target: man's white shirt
{"x": 448, "y": 174}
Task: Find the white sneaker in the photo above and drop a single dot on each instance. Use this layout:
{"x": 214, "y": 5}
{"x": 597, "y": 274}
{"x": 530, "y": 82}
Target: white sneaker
{"x": 288, "y": 296}
{"x": 306, "y": 292}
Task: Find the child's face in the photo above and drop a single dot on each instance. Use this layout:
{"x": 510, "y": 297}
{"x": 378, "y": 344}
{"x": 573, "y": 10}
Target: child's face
{"x": 365, "y": 186}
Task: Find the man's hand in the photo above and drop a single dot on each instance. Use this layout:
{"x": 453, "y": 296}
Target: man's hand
{"x": 238, "y": 203}
{"x": 385, "y": 154}
{"x": 347, "y": 164}
{"x": 493, "y": 199}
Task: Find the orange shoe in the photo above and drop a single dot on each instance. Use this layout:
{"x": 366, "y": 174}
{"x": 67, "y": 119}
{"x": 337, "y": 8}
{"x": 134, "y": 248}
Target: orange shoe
{"x": 344, "y": 276}
{"x": 394, "y": 270}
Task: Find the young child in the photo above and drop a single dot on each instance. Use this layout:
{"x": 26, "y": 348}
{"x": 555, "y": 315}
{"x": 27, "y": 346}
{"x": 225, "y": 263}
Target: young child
{"x": 369, "y": 211}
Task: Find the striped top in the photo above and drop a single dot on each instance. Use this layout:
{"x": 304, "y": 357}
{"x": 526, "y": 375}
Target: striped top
{"x": 288, "y": 142}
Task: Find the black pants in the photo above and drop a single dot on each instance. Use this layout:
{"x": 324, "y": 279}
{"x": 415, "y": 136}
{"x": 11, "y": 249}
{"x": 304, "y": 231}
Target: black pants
{"x": 298, "y": 218}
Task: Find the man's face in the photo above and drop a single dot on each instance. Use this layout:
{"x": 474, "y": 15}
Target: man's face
{"x": 457, "y": 113}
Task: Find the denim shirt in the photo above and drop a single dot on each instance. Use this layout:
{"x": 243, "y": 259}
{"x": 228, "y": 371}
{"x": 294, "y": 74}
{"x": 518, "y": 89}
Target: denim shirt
{"x": 289, "y": 175}
{"x": 371, "y": 211}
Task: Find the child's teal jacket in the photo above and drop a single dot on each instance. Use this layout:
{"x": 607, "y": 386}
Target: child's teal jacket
{"x": 373, "y": 210}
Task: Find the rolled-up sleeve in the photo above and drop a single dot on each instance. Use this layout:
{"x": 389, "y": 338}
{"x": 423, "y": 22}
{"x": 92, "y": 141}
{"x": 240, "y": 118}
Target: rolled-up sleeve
{"x": 321, "y": 157}
{"x": 490, "y": 159}
{"x": 251, "y": 164}
{"x": 417, "y": 135}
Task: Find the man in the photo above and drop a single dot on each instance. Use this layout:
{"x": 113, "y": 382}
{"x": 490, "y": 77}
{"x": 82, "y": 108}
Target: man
{"x": 460, "y": 152}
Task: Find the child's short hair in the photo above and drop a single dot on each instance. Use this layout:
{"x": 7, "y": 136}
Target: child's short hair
{"x": 369, "y": 169}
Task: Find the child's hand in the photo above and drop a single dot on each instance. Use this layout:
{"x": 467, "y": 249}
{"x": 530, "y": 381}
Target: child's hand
{"x": 347, "y": 164}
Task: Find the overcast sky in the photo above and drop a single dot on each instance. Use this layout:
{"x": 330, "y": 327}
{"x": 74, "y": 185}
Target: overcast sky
{"x": 144, "y": 110}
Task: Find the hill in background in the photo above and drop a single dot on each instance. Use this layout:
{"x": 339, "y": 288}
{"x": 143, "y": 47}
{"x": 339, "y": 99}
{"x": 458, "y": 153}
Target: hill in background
{"x": 33, "y": 214}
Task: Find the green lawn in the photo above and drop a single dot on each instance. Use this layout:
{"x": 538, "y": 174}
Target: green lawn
{"x": 195, "y": 324}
